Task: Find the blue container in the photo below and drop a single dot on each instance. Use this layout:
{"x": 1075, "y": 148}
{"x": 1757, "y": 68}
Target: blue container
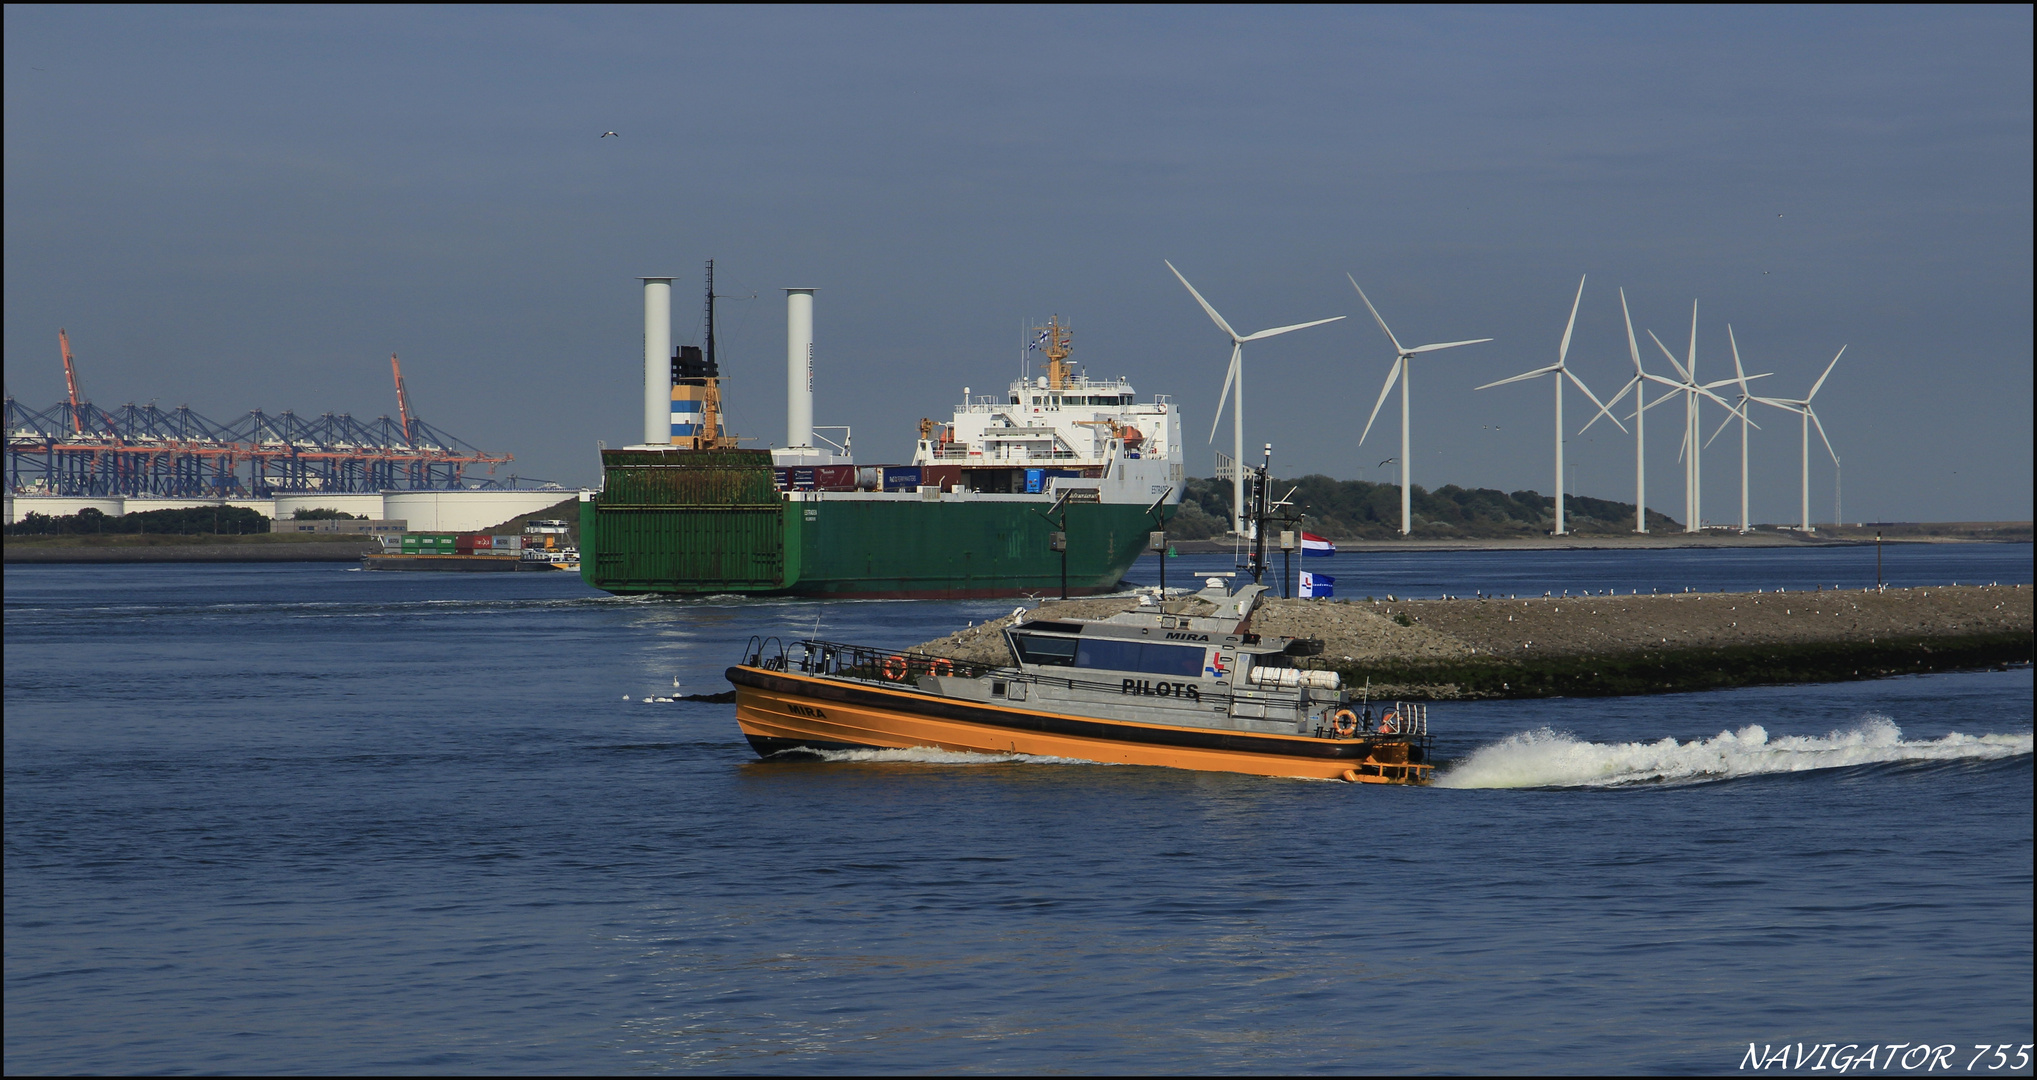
{"x": 901, "y": 478}
{"x": 1036, "y": 479}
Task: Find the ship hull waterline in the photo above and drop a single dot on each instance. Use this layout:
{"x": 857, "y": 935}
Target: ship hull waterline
{"x": 780, "y": 711}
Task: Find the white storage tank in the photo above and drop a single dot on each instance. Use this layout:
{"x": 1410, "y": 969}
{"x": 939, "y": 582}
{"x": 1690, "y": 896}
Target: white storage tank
{"x": 142, "y": 504}
{"x": 367, "y": 505}
{"x": 63, "y": 505}
{"x": 468, "y": 510}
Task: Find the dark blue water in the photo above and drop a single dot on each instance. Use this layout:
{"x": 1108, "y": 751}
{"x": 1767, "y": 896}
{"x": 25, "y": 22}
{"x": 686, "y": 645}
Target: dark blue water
{"x": 307, "y": 819}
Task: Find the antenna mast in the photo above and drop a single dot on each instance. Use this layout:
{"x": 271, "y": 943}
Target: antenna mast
{"x": 709, "y": 342}
{"x": 71, "y": 381}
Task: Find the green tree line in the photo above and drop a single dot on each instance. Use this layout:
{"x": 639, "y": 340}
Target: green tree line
{"x": 1357, "y": 509}
{"x": 194, "y": 521}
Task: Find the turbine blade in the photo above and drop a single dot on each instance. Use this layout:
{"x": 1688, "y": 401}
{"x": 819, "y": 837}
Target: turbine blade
{"x": 1669, "y": 356}
{"x": 1602, "y": 406}
{"x": 1230, "y": 373}
{"x": 1391, "y": 374}
{"x": 1666, "y": 397}
{"x": 1445, "y": 345}
{"x": 1683, "y": 446}
{"x": 1214, "y": 317}
{"x": 1730, "y": 407}
{"x": 1633, "y": 350}
{"x": 1812, "y": 413}
{"x": 1397, "y": 350}
{"x": 1606, "y": 409}
{"x": 1563, "y": 350}
{"x": 1691, "y": 361}
{"x": 1524, "y": 375}
{"x": 1279, "y": 330}
{"x": 1739, "y": 373}
{"x": 1828, "y": 372}
{"x": 1721, "y": 428}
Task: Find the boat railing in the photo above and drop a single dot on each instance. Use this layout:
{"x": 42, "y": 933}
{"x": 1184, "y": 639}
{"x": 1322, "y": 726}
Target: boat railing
{"x": 812, "y": 656}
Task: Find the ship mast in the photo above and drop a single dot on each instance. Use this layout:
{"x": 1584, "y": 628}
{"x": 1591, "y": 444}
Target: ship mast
{"x": 696, "y": 388}
{"x": 1060, "y": 342}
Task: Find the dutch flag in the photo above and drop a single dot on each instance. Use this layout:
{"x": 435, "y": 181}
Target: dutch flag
{"x": 1314, "y": 586}
{"x": 1311, "y": 544}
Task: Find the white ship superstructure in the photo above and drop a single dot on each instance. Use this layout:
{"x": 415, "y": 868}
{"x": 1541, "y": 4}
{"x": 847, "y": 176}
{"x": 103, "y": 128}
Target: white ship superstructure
{"x": 1061, "y": 427}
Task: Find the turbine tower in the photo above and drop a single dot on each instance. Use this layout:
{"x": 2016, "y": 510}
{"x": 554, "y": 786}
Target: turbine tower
{"x": 1236, "y": 373}
{"x": 1561, "y": 372}
{"x": 1802, "y": 407}
{"x": 1740, "y": 376}
{"x": 1400, "y": 370}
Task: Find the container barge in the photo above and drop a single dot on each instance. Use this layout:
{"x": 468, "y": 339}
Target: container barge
{"x": 1056, "y": 485}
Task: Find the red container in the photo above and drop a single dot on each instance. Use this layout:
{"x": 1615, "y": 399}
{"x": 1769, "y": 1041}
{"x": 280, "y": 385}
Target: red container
{"x": 945, "y": 477}
{"x": 834, "y": 477}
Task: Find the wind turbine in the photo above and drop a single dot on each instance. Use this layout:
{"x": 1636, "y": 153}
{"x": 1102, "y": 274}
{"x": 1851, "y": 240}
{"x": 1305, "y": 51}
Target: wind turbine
{"x": 1692, "y": 390}
{"x": 1802, "y": 407}
{"x": 1685, "y": 386}
{"x": 1400, "y": 370}
{"x": 1236, "y": 373}
{"x": 1740, "y": 376}
{"x": 1561, "y": 372}
{"x": 1638, "y": 386}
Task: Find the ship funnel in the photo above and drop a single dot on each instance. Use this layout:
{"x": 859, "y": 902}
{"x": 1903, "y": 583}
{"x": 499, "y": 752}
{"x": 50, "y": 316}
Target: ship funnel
{"x": 657, "y": 361}
{"x": 799, "y": 367}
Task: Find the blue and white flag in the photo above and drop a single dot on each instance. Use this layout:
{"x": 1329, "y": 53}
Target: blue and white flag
{"x": 1311, "y": 544}
{"x": 1038, "y": 341}
{"x": 1316, "y": 586}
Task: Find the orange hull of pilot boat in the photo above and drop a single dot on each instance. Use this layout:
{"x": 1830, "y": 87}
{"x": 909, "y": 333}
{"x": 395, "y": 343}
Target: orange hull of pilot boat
{"x": 1182, "y": 684}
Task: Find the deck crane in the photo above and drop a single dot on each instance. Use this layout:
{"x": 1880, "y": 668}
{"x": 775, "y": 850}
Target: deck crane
{"x": 403, "y": 412}
{"x": 71, "y": 381}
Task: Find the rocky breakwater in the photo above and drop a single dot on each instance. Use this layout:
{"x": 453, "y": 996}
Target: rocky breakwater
{"x": 1605, "y": 644}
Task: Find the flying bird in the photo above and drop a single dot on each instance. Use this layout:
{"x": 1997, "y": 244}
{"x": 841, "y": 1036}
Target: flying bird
{"x": 606, "y": 134}
{"x": 1388, "y": 461}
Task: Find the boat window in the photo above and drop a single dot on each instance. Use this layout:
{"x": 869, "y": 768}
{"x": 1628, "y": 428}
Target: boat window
{"x": 1143, "y": 656}
{"x": 1041, "y": 649}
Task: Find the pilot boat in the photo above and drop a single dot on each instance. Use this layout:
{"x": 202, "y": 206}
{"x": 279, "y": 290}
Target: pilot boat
{"x": 1180, "y": 682}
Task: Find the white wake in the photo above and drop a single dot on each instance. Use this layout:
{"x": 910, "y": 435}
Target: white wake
{"x": 1548, "y": 758}
{"x": 928, "y": 755}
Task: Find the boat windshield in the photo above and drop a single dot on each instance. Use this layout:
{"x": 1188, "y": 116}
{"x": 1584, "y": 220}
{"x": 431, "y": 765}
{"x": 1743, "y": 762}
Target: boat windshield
{"x": 1142, "y": 656}
{"x": 1109, "y": 654}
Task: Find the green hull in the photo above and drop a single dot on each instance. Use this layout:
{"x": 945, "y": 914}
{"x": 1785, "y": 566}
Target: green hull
{"x": 711, "y": 522}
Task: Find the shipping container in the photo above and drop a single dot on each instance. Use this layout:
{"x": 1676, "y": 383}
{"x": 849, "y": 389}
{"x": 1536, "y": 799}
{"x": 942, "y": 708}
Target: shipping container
{"x": 902, "y": 478}
{"x": 835, "y": 477}
{"x": 945, "y": 477}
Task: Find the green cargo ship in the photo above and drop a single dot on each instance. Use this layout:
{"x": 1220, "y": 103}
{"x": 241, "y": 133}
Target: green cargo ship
{"x": 1056, "y": 484}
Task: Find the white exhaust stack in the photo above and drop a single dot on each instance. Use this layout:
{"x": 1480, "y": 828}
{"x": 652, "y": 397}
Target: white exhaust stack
{"x": 798, "y": 367}
{"x": 657, "y": 361}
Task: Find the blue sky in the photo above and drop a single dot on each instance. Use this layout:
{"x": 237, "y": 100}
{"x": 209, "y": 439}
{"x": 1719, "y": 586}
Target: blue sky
{"x": 252, "y": 207}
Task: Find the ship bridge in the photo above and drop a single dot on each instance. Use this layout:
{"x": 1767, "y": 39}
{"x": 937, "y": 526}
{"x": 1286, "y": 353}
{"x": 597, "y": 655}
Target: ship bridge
{"x": 1062, "y": 419}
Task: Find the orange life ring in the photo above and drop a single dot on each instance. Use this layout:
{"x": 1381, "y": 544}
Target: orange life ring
{"x": 894, "y": 668}
{"x": 1389, "y": 724}
{"x": 1346, "y": 723}
{"x": 940, "y": 667}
